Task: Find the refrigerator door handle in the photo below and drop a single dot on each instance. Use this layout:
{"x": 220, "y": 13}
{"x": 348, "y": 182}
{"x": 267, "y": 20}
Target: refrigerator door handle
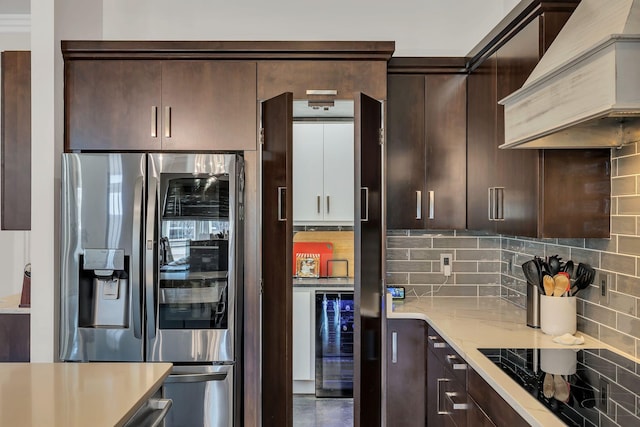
{"x": 196, "y": 378}
{"x": 136, "y": 257}
{"x": 149, "y": 262}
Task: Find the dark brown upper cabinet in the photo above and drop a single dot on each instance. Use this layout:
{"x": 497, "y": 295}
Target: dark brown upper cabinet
{"x": 16, "y": 140}
{"x": 535, "y": 193}
{"x": 426, "y": 144}
{"x": 151, "y": 105}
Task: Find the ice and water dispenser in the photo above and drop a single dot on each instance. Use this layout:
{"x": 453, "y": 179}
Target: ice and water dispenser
{"x": 104, "y": 296}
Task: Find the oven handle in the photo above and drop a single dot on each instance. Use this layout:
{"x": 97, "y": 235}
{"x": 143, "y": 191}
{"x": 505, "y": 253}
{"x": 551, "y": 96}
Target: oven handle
{"x": 196, "y": 378}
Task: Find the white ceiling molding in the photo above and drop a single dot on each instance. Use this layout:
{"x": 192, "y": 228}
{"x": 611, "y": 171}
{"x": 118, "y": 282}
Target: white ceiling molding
{"x": 15, "y": 23}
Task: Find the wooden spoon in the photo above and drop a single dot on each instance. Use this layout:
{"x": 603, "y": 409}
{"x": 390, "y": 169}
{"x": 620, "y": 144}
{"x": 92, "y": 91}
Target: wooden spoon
{"x": 561, "y": 388}
{"x": 549, "y": 285}
{"x": 548, "y": 387}
{"x": 562, "y": 284}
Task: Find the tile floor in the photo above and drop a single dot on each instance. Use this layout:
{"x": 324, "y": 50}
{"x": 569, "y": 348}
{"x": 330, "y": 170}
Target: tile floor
{"x": 309, "y": 411}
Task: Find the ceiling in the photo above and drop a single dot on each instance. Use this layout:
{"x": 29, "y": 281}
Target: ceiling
{"x": 14, "y": 6}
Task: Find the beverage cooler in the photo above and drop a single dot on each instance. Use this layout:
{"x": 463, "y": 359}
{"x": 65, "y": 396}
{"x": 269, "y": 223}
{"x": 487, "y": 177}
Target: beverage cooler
{"x": 152, "y": 271}
{"x": 334, "y": 344}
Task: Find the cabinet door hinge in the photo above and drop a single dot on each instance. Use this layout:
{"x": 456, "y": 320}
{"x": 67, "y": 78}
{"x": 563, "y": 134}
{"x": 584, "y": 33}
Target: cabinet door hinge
{"x": 381, "y": 137}
{"x": 261, "y": 136}
{"x": 261, "y": 287}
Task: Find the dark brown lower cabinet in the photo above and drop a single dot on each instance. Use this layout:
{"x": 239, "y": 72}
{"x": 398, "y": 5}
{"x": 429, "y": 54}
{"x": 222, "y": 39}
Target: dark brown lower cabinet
{"x": 487, "y": 401}
{"x": 446, "y": 384}
{"x": 14, "y": 337}
{"x": 406, "y": 373}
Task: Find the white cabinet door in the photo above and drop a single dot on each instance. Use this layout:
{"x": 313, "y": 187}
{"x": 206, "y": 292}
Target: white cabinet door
{"x": 308, "y": 193}
{"x": 323, "y": 173}
{"x": 338, "y": 172}
{"x": 303, "y": 338}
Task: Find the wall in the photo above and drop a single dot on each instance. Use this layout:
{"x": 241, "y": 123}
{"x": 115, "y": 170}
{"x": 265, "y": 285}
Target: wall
{"x": 419, "y": 28}
{"x": 482, "y": 262}
{"x": 14, "y": 245}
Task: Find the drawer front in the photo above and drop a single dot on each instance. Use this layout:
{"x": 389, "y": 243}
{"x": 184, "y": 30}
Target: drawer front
{"x": 447, "y": 355}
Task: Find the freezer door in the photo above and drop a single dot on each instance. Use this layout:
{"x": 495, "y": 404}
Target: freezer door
{"x": 201, "y": 395}
{"x": 192, "y": 256}
{"x": 101, "y": 227}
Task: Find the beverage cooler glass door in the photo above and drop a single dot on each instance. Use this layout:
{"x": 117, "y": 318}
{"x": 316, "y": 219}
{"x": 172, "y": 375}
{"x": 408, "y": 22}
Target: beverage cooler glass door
{"x": 193, "y": 215}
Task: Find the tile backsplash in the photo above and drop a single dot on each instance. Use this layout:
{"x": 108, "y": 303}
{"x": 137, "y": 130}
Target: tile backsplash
{"x": 490, "y": 265}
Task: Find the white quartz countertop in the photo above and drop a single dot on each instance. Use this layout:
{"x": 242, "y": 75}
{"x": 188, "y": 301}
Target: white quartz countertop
{"x": 76, "y": 394}
{"x": 10, "y": 305}
{"x": 470, "y": 323}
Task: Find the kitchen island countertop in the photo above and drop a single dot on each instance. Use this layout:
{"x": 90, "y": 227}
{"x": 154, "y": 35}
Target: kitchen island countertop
{"x": 76, "y": 394}
{"x": 11, "y": 305}
{"x": 470, "y": 323}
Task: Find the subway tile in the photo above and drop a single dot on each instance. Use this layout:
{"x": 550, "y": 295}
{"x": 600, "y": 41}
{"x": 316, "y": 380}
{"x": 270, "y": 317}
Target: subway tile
{"x": 418, "y": 290}
{"x": 628, "y": 205}
{"x": 629, "y": 245}
{"x": 467, "y": 233}
{"x": 618, "y": 263}
{"x": 478, "y": 278}
{"x": 407, "y": 266}
{"x": 623, "y": 224}
{"x": 600, "y": 314}
{"x": 489, "y": 243}
{"x": 588, "y": 327}
{"x": 489, "y": 267}
{"x": 478, "y": 254}
{"x": 455, "y": 291}
{"x": 608, "y": 245}
{"x": 397, "y": 278}
{"x": 628, "y": 165}
{"x": 465, "y": 267}
{"x": 578, "y": 243}
{"x": 623, "y": 303}
{"x": 622, "y": 342}
{"x": 628, "y": 379}
{"x": 563, "y": 251}
{"x": 516, "y": 299}
{"x": 624, "y": 186}
{"x": 397, "y": 254}
{"x": 623, "y": 398}
{"x": 408, "y": 242}
{"x": 425, "y": 254}
{"x": 455, "y": 243}
{"x": 629, "y": 325}
{"x": 426, "y": 279}
{"x": 586, "y": 257}
{"x": 629, "y": 285}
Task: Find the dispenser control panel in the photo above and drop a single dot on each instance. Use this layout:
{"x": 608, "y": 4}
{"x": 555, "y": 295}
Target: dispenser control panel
{"x": 103, "y": 259}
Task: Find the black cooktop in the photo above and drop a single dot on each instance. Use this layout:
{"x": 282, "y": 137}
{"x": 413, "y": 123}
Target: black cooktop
{"x": 589, "y": 387}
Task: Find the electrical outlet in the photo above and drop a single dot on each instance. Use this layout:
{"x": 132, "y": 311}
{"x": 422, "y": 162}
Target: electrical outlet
{"x": 445, "y": 264}
{"x": 604, "y": 282}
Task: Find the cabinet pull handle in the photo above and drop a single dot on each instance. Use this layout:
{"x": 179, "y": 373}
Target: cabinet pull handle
{"x": 154, "y": 121}
{"x": 456, "y": 406}
{"x": 318, "y": 203}
{"x": 167, "y": 122}
{"x": 438, "y": 393}
{"x": 490, "y": 203}
{"x": 394, "y": 347}
{"x": 457, "y": 366}
{"x": 328, "y": 92}
{"x": 281, "y": 200}
{"x": 418, "y": 204}
{"x": 364, "y": 191}
{"x": 499, "y": 203}
{"x": 436, "y": 342}
{"x": 328, "y": 204}
{"x": 432, "y": 204}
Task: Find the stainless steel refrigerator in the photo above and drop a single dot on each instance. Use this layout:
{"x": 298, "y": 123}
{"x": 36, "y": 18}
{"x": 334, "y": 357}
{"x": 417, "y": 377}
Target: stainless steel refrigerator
{"x": 151, "y": 270}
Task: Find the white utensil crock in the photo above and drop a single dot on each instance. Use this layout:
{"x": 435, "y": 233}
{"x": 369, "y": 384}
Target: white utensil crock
{"x": 558, "y": 315}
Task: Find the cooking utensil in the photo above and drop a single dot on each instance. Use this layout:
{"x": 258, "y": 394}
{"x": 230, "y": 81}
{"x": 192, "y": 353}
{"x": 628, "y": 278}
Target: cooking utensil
{"x": 561, "y": 388}
{"x": 554, "y": 264}
{"x": 547, "y": 386}
{"x": 562, "y": 285}
{"x": 532, "y": 272}
{"x": 583, "y": 280}
{"x": 568, "y": 268}
{"x": 549, "y": 284}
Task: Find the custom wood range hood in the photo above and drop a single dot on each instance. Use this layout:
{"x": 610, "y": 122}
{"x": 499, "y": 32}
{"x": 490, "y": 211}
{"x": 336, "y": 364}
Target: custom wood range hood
{"x": 585, "y": 91}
